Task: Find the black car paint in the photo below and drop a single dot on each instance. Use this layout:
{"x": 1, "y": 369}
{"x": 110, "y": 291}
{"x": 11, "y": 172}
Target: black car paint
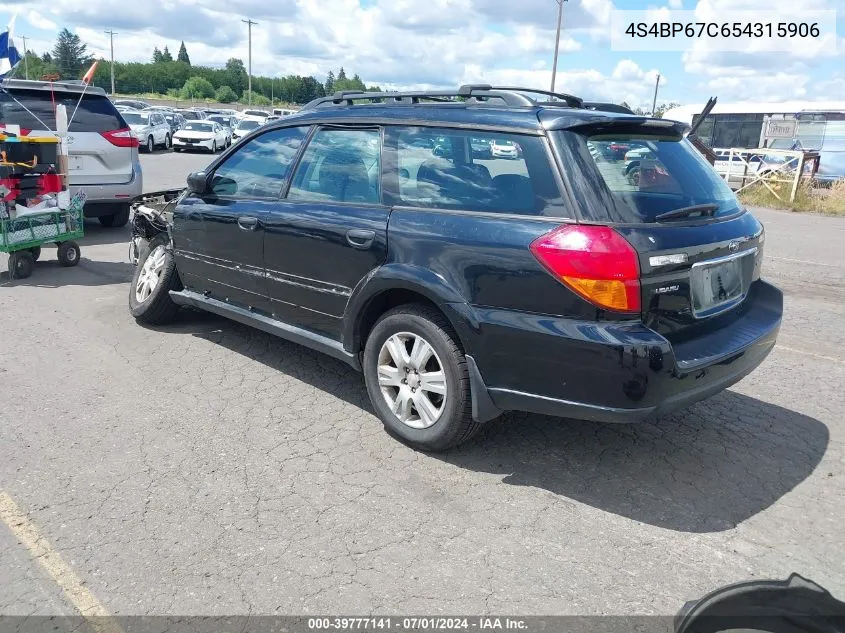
{"x": 531, "y": 343}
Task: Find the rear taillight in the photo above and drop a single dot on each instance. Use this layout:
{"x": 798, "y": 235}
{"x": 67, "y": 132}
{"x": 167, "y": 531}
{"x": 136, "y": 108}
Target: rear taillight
{"x": 121, "y": 138}
{"x": 594, "y": 261}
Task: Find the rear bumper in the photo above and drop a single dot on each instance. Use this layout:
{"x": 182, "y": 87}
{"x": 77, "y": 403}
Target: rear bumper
{"x": 614, "y": 372}
{"x": 102, "y": 199}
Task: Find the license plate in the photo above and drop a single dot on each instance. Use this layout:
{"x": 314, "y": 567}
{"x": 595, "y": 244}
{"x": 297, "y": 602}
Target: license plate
{"x": 720, "y": 284}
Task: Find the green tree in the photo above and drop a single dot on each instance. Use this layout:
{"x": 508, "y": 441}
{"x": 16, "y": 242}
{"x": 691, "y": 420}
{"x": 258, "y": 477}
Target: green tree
{"x": 166, "y": 56}
{"x": 183, "y": 54}
{"x": 70, "y": 55}
{"x": 156, "y": 56}
{"x": 660, "y": 110}
{"x": 47, "y": 58}
{"x": 225, "y": 94}
{"x": 329, "y": 85}
{"x": 236, "y": 75}
{"x": 197, "y": 88}
{"x": 257, "y": 99}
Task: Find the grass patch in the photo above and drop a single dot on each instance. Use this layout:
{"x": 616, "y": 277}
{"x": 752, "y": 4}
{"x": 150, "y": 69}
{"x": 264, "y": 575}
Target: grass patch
{"x": 826, "y": 200}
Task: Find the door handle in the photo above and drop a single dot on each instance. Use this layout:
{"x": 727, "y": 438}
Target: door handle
{"x": 360, "y": 238}
{"x": 248, "y": 223}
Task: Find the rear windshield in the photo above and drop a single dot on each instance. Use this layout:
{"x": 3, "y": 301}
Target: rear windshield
{"x": 95, "y": 114}
{"x": 135, "y": 118}
{"x": 191, "y": 116}
{"x": 633, "y": 178}
{"x": 248, "y": 125}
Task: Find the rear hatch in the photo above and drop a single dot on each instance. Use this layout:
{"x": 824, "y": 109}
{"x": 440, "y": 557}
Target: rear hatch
{"x": 699, "y": 251}
{"x": 101, "y": 150}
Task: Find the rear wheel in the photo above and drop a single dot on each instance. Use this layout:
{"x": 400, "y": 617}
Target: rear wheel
{"x": 155, "y": 276}
{"x": 417, "y": 379}
{"x": 68, "y": 253}
{"x": 167, "y": 142}
{"x": 151, "y": 145}
{"x": 36, "y": 252}
{"x": 21, "y": 264}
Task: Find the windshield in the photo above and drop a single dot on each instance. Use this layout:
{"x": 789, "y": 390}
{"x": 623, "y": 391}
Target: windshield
{"x": 248, "y": 125}
{"x": 219, "y": 119}
{"x": 633, "y": 178}
{"x": 135, "y": 118}
{"x": 198, "y": 127}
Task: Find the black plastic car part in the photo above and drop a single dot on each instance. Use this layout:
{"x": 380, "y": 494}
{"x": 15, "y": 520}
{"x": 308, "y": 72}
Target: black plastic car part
{"x": 794, "y": 605}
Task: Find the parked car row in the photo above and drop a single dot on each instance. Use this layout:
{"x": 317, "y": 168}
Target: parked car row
{"x": 185, "y": 129}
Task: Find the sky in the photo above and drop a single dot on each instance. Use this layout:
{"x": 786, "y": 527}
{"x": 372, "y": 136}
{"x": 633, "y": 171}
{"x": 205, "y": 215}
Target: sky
{"x": 445, "y": 43}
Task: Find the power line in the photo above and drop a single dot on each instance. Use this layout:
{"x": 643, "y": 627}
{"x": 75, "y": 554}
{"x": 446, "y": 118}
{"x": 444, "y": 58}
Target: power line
{"x": 111, "y": 35}
{"x": 249, "y": 24}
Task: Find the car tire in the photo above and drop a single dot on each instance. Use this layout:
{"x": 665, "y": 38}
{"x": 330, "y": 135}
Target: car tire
{"x": 151, "y": 145}
{"x": 68, "y": 253}
{"x": 154, "y": 277}
{"x": 21, "y": 264}
{"x": 213, "y": 147}
{"x": 446, "y": 418}
{"x": 167, "y": 142}
{"x": 116, "y": 220}
{"x": 36, "y": 252}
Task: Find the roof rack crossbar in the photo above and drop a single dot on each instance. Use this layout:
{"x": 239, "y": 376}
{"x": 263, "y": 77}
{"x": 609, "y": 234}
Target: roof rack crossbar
{"x": 475, "y": 93}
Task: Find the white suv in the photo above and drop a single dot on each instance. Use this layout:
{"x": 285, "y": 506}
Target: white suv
{"x": 103, "y": 159}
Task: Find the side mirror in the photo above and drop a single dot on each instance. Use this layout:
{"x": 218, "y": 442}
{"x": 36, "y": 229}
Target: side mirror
{"x": 198, "y": 182}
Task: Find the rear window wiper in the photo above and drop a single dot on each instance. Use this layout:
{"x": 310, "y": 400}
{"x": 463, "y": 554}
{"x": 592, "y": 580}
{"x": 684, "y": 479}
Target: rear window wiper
{"x": 704, "y": 209}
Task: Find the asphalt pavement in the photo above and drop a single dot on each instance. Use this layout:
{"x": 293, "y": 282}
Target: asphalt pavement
{"x": 208, "y": 468}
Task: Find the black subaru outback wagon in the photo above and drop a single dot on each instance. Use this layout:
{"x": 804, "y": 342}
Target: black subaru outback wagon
{"x": 561, "y": 279}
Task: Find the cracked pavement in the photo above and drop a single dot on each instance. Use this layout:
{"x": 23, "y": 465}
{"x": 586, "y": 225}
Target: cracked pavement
{"x": 206, "y": 468}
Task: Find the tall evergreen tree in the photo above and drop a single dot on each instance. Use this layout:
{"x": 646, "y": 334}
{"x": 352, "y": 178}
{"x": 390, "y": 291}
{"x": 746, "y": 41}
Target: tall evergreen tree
{"x": 329, "y": 83}
{"x": 183, "y": 54}
{"x": 166, "y": 56}
{"x": 157, "y": 56}
{"x": 341, "y": 75}
{"x": 70, "y": 55}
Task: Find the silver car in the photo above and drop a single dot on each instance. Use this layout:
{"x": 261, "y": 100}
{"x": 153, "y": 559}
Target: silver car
{"x": 103, "y": 160}
{"x": 151, "y": 128}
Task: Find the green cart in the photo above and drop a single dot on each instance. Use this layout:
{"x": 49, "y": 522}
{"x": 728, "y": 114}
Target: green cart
{"x": 23, "y": 236}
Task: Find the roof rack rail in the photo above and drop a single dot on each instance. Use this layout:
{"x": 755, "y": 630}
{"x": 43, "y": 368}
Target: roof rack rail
{"x": 479, "y": 93}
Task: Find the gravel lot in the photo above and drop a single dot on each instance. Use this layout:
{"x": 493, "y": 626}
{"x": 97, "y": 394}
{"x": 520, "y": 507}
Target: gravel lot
{"x": 207, "y": 468}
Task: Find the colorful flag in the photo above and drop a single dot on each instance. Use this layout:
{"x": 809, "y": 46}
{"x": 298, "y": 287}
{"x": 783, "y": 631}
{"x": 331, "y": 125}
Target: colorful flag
{"x": 90, "y": 74}
{"x": 9, "y": 55}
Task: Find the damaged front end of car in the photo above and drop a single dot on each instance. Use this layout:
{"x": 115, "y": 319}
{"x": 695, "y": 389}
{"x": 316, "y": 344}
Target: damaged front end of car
{"x": 152, "y": 214}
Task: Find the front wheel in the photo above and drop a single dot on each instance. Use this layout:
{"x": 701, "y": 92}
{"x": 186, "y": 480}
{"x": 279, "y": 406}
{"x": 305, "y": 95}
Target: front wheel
{"x": 213, "y": 147}
{"x": 417, "y": 379}
{"x": 151, "y": 145}
{"x": 167, "y": 142}
{"x": 155, "y": 276}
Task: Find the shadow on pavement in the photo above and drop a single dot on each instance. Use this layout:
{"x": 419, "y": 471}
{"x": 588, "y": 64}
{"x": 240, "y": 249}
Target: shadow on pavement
{"x": 49, "y": 273}
{"x": 704, "y": 469}
{"x": 96, "y": 234}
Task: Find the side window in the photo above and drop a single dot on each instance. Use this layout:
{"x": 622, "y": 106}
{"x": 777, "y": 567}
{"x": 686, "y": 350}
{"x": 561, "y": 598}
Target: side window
{"x": 339, "y": 166}
{"x": 474, "y": 171}
{"x": 259, "y": 168}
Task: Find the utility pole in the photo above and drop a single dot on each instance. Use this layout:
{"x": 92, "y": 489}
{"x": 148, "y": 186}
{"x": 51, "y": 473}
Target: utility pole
{"x": 111, "y": 35}
{"x": 654, "y": 103}
{"x": 557, "y": 39}
{"x": 25, "y": 60}
{"x": 249, "y": 24}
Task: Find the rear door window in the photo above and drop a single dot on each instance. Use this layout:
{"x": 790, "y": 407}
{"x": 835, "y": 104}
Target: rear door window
{"x": 633, "y": 178}
{"x": 34, "y": 110}
{"x": 471, "y": 170}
